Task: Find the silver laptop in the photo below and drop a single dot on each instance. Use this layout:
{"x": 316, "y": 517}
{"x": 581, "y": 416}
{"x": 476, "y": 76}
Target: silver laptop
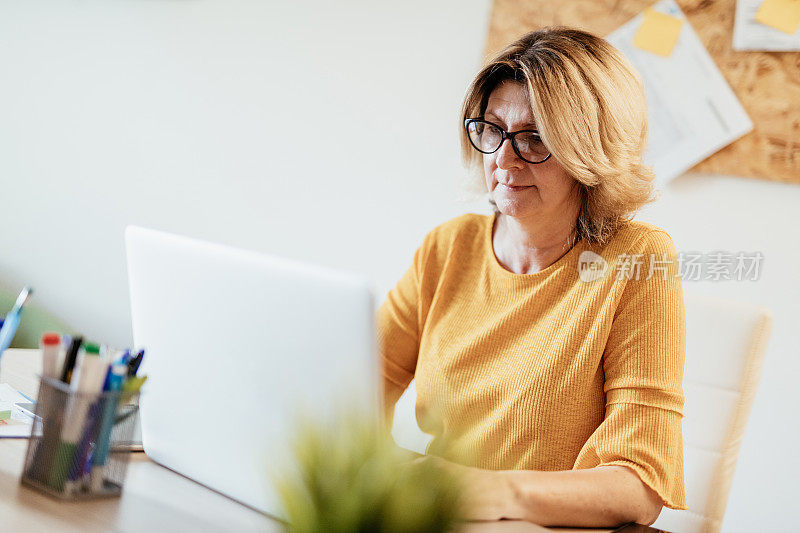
{"x": 238, "y": 344}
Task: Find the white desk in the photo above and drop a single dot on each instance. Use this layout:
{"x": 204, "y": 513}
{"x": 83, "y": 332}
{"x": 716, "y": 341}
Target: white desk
{"x": 154, "y": 498}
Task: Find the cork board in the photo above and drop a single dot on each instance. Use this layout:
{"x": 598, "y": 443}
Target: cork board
{"x": 766, "y": 83}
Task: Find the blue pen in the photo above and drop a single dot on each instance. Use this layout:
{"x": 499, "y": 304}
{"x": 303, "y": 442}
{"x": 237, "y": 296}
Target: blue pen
{"x": 117, "y": 375}
{"x": 11, "y": 320}
{"x": 124, "y": 358}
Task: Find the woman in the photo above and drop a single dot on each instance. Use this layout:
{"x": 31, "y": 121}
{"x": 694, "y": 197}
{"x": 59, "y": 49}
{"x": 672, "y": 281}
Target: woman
{"x": 547, "y": 340}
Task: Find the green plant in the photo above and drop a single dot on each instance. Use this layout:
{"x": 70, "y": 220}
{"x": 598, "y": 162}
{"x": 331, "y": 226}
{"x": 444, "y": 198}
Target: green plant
{"x": 351, "y": 477}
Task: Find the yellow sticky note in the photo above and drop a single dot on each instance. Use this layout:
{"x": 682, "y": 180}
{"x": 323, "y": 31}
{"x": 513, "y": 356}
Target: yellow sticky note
{"x": 658, "y": 33}
{"x": 782, "y": 15}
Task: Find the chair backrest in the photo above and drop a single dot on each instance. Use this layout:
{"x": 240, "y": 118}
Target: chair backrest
{"x": 725, "y": 344}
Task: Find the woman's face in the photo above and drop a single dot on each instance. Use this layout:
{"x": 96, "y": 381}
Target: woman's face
{"x": 521, "y": 189}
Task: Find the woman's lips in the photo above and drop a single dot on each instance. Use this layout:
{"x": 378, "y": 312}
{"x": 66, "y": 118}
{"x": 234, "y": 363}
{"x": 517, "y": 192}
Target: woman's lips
{"x": 516, "y": 187}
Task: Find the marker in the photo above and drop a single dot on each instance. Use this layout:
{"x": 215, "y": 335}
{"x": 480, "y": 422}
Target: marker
{"x": 11, "y": 320}
{"x": 129, "y": 388}
{"x": 132, "y": 385}
{"x": 50, "y": 345}
{"x": 70, "y": 358}
{"x": 134, "y": 363}
{"x": 89, "y": 377}
{"x": 52, "y": 403}
{"x": 66, "y": 340}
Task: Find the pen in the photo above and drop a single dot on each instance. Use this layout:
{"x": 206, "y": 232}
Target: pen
{"x": 124, "y": 358}
{"x": 114, "y": 384}
{"x": 129, "y": 388}
{"x": 11, "y": 320}
{"x": 70, "y": 358}
{"x": 132, "y": 385}
{"x": 134, "y": 363}
{"x": 66, "y": 341}
{"x": 83, "y": 448}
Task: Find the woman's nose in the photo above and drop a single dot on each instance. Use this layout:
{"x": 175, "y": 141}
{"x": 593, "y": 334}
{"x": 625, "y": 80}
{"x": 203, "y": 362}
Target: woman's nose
{"x": 505, "y": 156}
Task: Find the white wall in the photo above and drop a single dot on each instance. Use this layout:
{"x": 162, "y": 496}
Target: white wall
{"x": 323, "y": 131}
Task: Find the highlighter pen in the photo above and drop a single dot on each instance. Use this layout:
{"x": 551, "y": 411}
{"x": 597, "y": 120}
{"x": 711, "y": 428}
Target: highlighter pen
{"x": 132, "y": 385}
{"x": 129, "y": 388}
{"x": 103, "y": 445}
{"x": 70, "y": 358}
{"x": 90, "y": 376}
{"x": 11, "y": 320}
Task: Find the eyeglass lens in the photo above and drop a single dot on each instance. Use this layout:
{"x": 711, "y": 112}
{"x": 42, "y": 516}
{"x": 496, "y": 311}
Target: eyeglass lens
{"x": 487, "y": 138}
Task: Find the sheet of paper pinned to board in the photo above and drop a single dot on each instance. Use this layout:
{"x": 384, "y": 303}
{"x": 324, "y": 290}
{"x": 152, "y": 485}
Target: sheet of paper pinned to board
{"x": 692, "y": 111}
{"x": 783, "y": 15}
{"x": 750, "y": 34}
{"x": 658, "y": 32}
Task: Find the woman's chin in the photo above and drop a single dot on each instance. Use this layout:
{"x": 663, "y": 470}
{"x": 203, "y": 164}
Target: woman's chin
{"x": 512, "y": 207}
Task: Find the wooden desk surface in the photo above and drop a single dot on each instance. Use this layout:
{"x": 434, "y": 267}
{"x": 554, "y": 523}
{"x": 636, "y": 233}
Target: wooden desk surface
{"x": 154, "y": 498}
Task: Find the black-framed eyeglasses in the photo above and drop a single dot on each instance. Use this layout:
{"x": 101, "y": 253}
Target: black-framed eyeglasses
{"x": 487, "y": 137}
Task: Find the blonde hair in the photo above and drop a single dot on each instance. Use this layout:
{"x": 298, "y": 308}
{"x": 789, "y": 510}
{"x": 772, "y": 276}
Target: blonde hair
{"x": 590, "y": 109}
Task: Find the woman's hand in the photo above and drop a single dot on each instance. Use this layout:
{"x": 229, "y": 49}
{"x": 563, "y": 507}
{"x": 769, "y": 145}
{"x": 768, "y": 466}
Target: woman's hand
{"x": 485, "y": 494}
{"x": 604, "y": 496}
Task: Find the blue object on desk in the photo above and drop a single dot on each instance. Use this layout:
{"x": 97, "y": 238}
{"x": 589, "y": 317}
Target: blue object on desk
{"x": 116, "y": 377}
{"x": 11, "y": 321}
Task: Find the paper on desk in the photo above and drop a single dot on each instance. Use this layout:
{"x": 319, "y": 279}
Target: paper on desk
{"x": 19, "y": 425}
{"x": 750, "y": 34}
{"x": 692, "y": 111}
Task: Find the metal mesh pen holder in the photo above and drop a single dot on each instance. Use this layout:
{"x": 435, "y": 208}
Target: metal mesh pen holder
{"x": 73, "y": 452}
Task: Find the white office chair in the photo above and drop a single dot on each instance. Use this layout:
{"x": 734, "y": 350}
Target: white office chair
{"x": 725, "y": 344}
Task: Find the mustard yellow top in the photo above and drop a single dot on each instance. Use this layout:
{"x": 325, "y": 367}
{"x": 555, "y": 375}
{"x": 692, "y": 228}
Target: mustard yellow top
{"x": 543, "y": 371}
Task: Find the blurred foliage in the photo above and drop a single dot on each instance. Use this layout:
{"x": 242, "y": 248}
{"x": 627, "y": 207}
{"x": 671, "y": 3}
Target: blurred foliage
{"x": 352, "y": 477}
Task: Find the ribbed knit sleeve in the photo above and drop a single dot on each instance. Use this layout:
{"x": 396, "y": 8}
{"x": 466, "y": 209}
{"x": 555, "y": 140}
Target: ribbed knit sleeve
{"x": 398, "y": 330}
{"x": 643, "y": 366}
